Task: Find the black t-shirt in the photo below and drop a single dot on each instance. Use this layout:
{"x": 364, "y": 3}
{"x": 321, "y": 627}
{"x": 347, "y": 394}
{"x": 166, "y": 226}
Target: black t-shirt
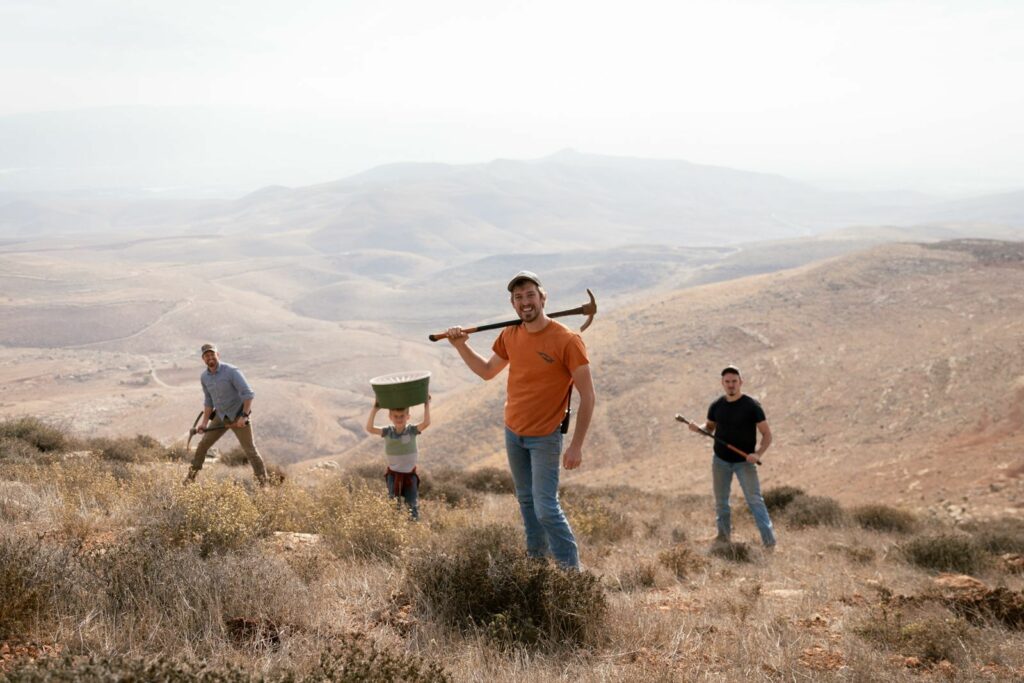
{"x": 735, "y": 423}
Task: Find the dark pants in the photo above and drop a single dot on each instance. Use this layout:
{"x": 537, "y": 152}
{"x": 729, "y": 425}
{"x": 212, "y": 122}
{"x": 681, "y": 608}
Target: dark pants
{"x": 246, "y": 440}
{"x": 409, "y": 492}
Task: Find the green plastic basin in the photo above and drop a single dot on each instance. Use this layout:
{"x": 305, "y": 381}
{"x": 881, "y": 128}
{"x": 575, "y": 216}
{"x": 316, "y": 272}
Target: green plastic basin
{"x": 401, "y": 389}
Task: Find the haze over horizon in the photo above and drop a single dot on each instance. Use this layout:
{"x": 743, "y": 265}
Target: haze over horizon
{"x": 225, "y": 99}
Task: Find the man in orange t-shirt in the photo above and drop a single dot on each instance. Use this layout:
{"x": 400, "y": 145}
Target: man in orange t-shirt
{"x": 546, "y": 359}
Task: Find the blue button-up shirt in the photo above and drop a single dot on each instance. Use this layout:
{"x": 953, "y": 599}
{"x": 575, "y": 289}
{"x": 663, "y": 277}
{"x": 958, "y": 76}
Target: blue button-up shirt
{"x": 225, "y": 390}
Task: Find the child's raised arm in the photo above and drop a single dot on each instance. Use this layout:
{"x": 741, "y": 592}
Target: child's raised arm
{"x": 426, "y": 416}
{"x": 369, "y": 421}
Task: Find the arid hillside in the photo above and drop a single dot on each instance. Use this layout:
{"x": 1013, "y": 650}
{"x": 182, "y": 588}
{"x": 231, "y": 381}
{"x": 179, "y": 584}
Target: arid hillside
{"x": 895, "y": 375}
{"x": 102, "y": 334}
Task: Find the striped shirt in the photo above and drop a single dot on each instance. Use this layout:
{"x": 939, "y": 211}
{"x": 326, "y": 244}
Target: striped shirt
{"x": 400, "y": 448}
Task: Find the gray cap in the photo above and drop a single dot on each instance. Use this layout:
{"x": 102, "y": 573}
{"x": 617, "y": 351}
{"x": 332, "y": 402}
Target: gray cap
{"x": 208, "y": 347}
{"x": 730, "y": 369}
{"x": 524, "y": 275}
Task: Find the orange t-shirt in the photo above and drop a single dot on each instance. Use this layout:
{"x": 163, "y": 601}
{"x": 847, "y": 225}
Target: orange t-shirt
{"x": 539, "y": 375}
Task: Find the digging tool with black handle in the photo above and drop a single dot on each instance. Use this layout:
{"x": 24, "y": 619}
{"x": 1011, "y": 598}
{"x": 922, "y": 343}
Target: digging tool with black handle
{"x": 588, "y": 309}
{"x": 193, "y": 431}
{"x": 705, "y": 432}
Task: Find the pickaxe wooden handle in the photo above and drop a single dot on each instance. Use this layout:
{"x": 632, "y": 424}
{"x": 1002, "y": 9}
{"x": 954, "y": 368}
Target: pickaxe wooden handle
{"x": 705, "y": 432}
{"x": 193, "y": 431}
{"x": 588, "y": 309}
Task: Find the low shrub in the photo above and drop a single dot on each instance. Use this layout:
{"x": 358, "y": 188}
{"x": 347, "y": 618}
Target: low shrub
{"x": 592, "y": 519}
{"x": 479, "y": 578}
{"x": 13, "y": 448}
{"x": 931, "y": 634}
{"x": 101, "y": 669}
{"x": 642, "y": 575}
{"x": 855, "y": 553}
{"x": 810, "y": 511}
{"x": 945, "y": 551}
{"x": 358, "y": 521}
{"x": 999, "y": 536}
{"x": 287, "y": 508}
{"x": 236, "y": 457}
{"x": 40, "y": 435}
{"x": 34, "y": 580}
{"x": 1000, "y": 604}
{"x": 777, "y": 498}
{"x": 490, "y": 480}
{"x": 356, "y": 659}
{"x": 451, "y": 492}
{"x": 137, "y": 449}
{"x": 733, "y": 552}
{"x": 215, "y": 516}
{"x": 681, "y": 560}
{"x": 86, "y": 483}
{"x": 18, "y": 501}
{"x": 371, "y": 472}
{"x": 884, "y": 518}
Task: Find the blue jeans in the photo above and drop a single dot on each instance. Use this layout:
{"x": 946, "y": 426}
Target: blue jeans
{"x": 746, "y": 473}
{"x": 535, "y": 462}
{"x": 410, "y": 492}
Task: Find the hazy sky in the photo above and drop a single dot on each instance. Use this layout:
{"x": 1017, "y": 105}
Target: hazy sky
{"x": 862, "y": 94}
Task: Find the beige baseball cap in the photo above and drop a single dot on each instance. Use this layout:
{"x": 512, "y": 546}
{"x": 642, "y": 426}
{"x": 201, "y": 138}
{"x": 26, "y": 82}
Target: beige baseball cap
{"x": 207, "y": 347}
{"x": 524, "y": 275}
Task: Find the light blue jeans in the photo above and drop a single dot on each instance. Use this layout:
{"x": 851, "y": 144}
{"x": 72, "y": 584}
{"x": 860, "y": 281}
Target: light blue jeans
{"x": 746, "y": 474}
{"x": 536, "y": 462}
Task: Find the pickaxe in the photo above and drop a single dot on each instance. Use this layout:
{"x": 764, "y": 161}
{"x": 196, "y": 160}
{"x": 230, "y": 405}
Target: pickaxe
{"x": 588, "y": 309}
{"x": 193, "y": 431}
{"x": 705, "y": 432}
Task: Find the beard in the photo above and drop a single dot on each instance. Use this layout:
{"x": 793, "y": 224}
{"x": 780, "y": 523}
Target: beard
{"x": 529, "y": 316}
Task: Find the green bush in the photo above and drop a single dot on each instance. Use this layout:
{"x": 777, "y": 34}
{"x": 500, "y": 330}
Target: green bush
{"x": 777, "y": 498}
{"x": 41, "y": 435}
{"x": 945, "y": 551}
{"x": 810, "y": 511}
{"x": 999, "y": 536}
{"x": 681, "y": 560}
{"x": 479, "y": 578}
{"x": 490, "y": 480}
{"x": 884, "y": 518}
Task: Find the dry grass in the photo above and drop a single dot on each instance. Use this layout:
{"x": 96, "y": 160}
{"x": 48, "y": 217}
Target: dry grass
{"x": 120, "y": 563}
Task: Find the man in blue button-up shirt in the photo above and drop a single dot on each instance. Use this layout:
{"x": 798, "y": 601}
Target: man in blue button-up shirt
{"x": 227, "y": 405}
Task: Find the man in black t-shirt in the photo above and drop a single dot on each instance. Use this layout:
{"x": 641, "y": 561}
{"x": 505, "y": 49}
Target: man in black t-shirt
{"x": 736, "y": 419}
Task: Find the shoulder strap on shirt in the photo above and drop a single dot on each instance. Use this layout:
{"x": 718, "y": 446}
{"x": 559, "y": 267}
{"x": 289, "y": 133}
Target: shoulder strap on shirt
{"x": 564, "y": 427}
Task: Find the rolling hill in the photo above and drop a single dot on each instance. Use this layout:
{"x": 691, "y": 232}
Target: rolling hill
{"x": 895, "y": 374}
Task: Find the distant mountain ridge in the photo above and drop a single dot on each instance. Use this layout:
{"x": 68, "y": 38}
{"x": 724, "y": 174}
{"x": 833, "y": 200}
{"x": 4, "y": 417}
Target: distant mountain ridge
{"x": 564, "y": 201}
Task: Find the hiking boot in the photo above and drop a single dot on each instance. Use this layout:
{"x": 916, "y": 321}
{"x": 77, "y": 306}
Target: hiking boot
{"x": 191, "y": 476}
{"x": 721, "y": 539}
